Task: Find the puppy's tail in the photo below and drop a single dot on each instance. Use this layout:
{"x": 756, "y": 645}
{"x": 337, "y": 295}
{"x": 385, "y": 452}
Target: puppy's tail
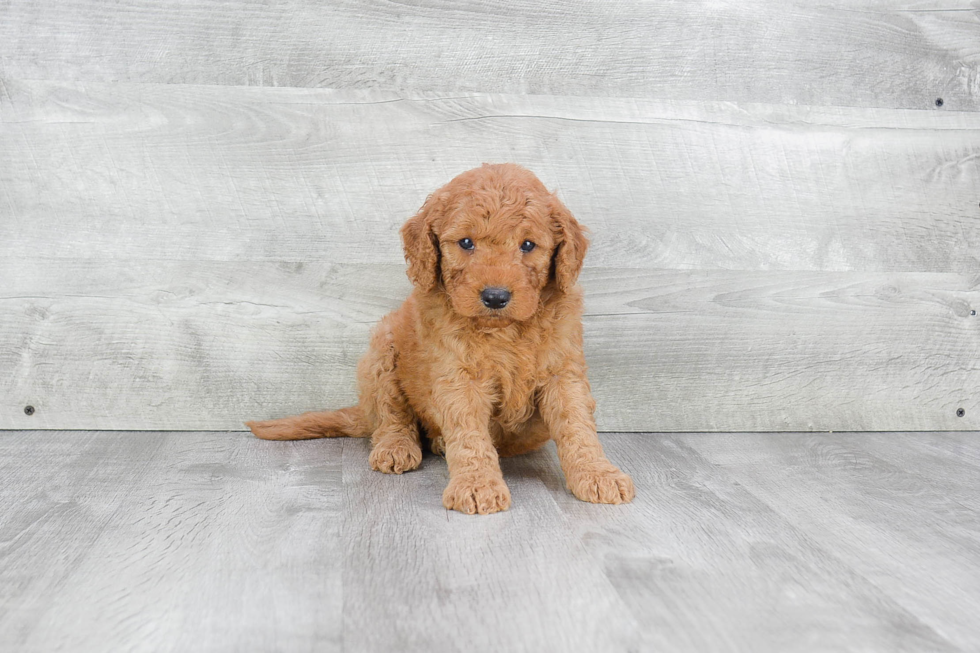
{"x": 349, "y": 422}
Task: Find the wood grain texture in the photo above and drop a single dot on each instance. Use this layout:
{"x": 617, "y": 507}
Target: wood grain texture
{"x": 168, "y": 542}
{"x": 735, "y": 542}
{"x": 929, "y": 567}
{"x": 518, "y": 581}
{"x": 163, "y": 171}
{"x": 178, "y": 344}
{"x": 696, "y": 545}
{"x": 834, "y": 52}
{"x": 185, "y": 256}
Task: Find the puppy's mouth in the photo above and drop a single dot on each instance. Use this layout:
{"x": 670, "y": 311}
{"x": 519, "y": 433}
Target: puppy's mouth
{"x": 493, "y": 321}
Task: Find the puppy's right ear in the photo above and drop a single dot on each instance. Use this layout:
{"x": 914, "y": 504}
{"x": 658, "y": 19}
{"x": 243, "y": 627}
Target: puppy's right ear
{"x": 422, "y": 245}
{"x": 572, "y": 245}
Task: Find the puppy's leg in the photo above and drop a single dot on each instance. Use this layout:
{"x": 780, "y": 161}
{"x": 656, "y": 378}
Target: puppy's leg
{"x": 567, "y": 407}
{"x": 395, "y": 441}
{"x": 395, "y": 444}
{"x": 436, "y": 444}
{"x": 476, "y": 484}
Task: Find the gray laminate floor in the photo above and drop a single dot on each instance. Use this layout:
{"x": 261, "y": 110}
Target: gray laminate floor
{"x": 736, "y": 542}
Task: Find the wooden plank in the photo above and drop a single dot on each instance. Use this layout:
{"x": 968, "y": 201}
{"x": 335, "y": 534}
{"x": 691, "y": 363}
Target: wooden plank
{"x": 420, "y": 578}
{"x": 835, "y": 52}
{"x": 140, "y": 343}
{"x": 959, "y": 445}
{"x": 241, "y": 190}
{"x": 182, "y": 542}
{"x": 923, "y": 457}
{"x": 773, "y": 351}
{"x": 706, "y": 566}
{"x": 135, "y": 171}
{"x": 208, "y": 344}
{"x": 916, "y": 537}
{"x": 219, "y": 541}
{"x": 59, "y": 491}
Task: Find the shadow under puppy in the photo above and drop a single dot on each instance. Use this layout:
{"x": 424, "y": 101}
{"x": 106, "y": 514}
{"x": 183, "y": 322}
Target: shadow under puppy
{"x": 485, "y": 357}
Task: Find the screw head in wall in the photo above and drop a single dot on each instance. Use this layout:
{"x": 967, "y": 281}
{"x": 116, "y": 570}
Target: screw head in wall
{"x": 28, "y": 410}
{"x": 960, "y": 412}
{"x": 939, "y": 102}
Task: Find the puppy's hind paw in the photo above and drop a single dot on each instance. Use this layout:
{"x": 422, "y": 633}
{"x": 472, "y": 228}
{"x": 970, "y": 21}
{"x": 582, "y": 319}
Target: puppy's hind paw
{"x": 395, "y": 457}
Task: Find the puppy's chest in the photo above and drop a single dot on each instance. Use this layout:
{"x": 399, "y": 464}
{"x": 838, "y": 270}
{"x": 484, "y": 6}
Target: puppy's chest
{"x": 513, "y": 379}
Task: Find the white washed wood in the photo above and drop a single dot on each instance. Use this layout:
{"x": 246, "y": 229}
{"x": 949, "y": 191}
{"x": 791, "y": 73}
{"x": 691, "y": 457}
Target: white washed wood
{"x": 696, "y": 545}
{"x": 786, "y": 351}
{"x": 827, "y": 487}
{"x": 169, "y": 542}
{"x": 951, "y": 461}
{"x": 167, "y": 171}
{"x": 119, "y": 172}
{"x": 205, "y": 541}
{"x": 60, "y": 492}
{"x": 177, "y": 344}
{"x": 420, "y": 578}
{"x": 960, "y": 445}
{"x": 840, "y": 52}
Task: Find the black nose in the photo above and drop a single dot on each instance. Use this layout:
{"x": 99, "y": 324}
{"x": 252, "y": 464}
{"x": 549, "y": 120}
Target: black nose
{"x": 495, "y": 297}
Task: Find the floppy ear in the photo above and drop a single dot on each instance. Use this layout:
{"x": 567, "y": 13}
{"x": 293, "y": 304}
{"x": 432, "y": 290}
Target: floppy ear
{"x": 422, "y": 245}
{"x": 572, "y": 244}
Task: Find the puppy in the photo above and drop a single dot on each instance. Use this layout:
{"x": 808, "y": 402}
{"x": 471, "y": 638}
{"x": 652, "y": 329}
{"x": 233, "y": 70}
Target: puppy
{"x": 485, "y": 357}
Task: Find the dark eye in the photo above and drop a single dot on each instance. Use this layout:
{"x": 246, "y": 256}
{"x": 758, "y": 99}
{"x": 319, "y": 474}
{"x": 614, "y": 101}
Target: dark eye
{"x": 466, "y": 244}
{"x": 527, "y": 246}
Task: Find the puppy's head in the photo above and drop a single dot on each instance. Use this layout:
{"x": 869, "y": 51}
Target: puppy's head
{"x": 493, "y": 239}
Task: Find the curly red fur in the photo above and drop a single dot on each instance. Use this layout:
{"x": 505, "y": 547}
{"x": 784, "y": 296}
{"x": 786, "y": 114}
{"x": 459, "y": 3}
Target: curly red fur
{"x": 480, "y": 382}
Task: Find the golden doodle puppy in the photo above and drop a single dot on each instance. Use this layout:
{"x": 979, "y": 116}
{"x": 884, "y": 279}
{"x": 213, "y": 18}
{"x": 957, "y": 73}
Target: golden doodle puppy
{"x": 485, "y": 357}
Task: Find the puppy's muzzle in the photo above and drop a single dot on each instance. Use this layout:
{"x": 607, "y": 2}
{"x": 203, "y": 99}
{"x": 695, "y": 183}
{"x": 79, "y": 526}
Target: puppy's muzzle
{"x": 495, "y": 298}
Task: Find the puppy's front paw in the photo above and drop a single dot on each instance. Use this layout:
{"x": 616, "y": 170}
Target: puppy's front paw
{"x": 601, "y": 484}
{"x": 394, "y": 456}
{"x": 476, "y": 493}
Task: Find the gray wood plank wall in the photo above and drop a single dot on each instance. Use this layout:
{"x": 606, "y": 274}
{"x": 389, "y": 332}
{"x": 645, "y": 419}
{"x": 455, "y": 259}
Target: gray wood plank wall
{"x": 199, "y": 204}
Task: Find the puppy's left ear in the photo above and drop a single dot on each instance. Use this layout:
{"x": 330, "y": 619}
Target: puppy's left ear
{"x": 572, "y": 245}
{"x": 422, "y": 245}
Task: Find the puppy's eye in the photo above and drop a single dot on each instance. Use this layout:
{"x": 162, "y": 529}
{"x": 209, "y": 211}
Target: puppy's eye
{"x": 466, "y": 244}
{"x": 527, "y": 246}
